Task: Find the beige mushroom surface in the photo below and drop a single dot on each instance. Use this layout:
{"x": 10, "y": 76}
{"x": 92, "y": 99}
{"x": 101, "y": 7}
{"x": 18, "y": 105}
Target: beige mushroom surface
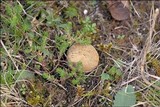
{"x": 86, "y": 54}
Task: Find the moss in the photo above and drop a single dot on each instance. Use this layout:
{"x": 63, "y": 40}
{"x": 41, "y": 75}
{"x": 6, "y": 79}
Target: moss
{"x": 135, "y": 23}
{"x": 35, "y": 99}
{"x": 105, "y": 48}
{"x": 155, "y": 63}
{"x": 36, "y": 94}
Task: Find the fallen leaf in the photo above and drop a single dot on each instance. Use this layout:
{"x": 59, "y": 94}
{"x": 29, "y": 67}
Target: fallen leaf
{"x": 111, "y": 2}
{"x": 119, "y": 9}
{"x": 125, "y": 3}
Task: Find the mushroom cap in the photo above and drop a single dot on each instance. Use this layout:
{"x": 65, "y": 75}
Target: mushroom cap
{"x": 86, "y": 54}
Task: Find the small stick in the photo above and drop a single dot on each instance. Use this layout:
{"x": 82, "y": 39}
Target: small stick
{"x": 148, "y": 47}
{"x": 24, "y": 10}
{"x": 9, "y": 55}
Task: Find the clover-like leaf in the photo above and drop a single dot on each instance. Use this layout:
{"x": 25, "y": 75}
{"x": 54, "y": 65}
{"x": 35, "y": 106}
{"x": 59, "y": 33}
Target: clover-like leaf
{"x": 125, "y": 97}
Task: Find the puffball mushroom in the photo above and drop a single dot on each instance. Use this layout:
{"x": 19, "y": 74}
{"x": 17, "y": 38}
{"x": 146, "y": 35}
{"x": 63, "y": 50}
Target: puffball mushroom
{"x": 86, "y": 54}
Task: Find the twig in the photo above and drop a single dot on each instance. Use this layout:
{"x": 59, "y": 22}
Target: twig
{"x": 24, "y": 10}
{"x": 153, "y": 76}
{"x": 72, "y": 105}
{"x": 9, "y": 55}
{"x": 131, "y": 80}
{"x": 147, "y": 47}
{"x": 140, "y": 103}
{"x": 135, "y": 9}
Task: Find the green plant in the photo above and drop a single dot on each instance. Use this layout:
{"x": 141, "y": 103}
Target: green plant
{"x": 7, "y": 77}
{"x": 22, "y": 39}
{"x": 125, "y": 97}
{"x": 71, "y": 11}
{"x": 76, "y": 75}
{"x": 62, "y": 73}
{"x": 23, "y": 89}
{"x": 53, "y": 20}
{"x": 115, "y": 73}
{"x": 120, "y": 36}
{"x": 88, "y": 27}
{"x": 62, "y": 43}
{"x": 48, "y": 77}
{"x": 81, "y": 36}
{"x": 11, "y": 76}
{"x": 105, "y": 76}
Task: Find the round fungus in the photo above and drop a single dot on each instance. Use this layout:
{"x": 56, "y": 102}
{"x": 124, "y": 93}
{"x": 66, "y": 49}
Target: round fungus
{"x": 86, "y": 54}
